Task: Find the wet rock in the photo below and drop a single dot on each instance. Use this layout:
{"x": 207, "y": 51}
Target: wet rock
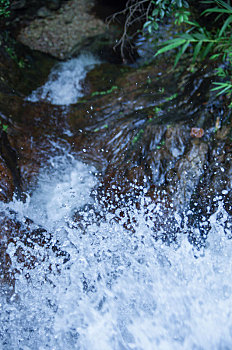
{"x": 214, "y": 187}
{"x": 6, "y": 182}
{"x": 22, "y": 145}
{"x": 101, "y": 45}
{"x": 26, "y": 245}
{"x": 103, "y": 77}
{"x": 184, "y": 177}
{"x": 140, "y": 136}
{"x": 10, "y": 157}
{"x": 32, "y": 133}
{"x": 21, "y": 70}
{"x": 227, "y": 200}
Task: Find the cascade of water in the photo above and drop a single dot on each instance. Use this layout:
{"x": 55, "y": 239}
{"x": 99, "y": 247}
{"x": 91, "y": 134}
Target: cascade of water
{"x": 118, "y": 289}
{"x": 64, "y": 82}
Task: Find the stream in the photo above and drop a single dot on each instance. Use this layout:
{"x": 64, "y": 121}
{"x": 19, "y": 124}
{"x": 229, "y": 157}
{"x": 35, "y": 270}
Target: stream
{"x": 105, "y": 287}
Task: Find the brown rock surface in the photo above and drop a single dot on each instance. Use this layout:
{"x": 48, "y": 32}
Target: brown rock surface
{"x": 6, "y": 182}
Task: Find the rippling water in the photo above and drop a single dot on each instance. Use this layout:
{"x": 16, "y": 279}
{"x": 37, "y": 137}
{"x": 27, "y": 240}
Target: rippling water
{"x": 120, "y": 289}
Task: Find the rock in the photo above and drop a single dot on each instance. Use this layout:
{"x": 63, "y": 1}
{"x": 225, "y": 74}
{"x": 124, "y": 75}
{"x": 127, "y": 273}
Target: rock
{"x": 18, "y": 4}
{"x": 102, "y": 45}
{"x": 139, "y": 134}
{"x": 44, "y": 12}
{"x": 26, "y": 245}
{"x": 6, "y": 182}
{"x": 66, "y": 28}
{"x": 21, "y": 69}
{"x": 184, "y": 176}
{"x": 29, "y": 133}
{"x": 10, "y": 158}
{"x": 214, "y": 186}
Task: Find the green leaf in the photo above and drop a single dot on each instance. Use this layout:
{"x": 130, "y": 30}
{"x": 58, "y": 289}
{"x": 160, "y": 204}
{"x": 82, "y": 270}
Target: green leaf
{"x": 200, "y": 36}
{"x": 175, "y": 43}
{"x": 181, "y": 52}
{"x": 224, "y": 87}
{"x": 207, "y": 49}
{"x": 213, "y": 57}
{"x": 216, "y": 10}
{"x": 224, "y": 4}
{"x": 187, "y": 36}
{"x": 225, "y": 25}
{"x": 197, "y": 50}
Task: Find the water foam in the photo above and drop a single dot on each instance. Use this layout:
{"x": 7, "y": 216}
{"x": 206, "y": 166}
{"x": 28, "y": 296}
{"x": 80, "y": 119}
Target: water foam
{"x": 64, "y": 85}
{"x": 121, "y": 289}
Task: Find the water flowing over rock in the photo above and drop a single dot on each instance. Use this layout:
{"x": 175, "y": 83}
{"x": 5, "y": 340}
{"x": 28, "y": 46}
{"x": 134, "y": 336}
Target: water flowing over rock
{"x": 115, "y": 207}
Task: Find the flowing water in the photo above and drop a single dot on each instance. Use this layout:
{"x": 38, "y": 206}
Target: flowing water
{"x": 119, "y": 289}
{"x": 64, "y": 85}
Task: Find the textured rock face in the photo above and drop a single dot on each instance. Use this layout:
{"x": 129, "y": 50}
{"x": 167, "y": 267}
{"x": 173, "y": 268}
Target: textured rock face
{"x": 138, "y": 132}
{"x": 65, "y": 29}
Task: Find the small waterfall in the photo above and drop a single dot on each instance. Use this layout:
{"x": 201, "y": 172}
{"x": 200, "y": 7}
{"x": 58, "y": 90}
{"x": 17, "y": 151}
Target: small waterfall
{"x": 118, "y": 289}
{"x": 64, "y": 82}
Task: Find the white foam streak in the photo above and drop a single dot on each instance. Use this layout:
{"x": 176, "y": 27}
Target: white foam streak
{"x": 64, "y": 85}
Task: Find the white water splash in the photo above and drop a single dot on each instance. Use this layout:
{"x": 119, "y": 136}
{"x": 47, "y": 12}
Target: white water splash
{"x": 120, "y": 290}
{"x": 64, "y": 85}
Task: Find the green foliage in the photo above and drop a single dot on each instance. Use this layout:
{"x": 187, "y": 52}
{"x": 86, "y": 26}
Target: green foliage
{"x": 202, "y": 43}
{"x": 160, "y": 9}
{"x": 223, "y": 88}
{"x": 4, "y": 8}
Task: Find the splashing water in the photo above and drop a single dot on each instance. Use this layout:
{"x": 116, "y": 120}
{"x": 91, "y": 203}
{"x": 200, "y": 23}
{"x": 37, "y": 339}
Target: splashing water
{"x": 119, "y": 289}
{"x": 64, "y": 82}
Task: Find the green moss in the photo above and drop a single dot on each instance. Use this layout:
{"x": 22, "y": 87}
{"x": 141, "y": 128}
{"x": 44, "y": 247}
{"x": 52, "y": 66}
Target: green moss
{"x": 109, "y": 91}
